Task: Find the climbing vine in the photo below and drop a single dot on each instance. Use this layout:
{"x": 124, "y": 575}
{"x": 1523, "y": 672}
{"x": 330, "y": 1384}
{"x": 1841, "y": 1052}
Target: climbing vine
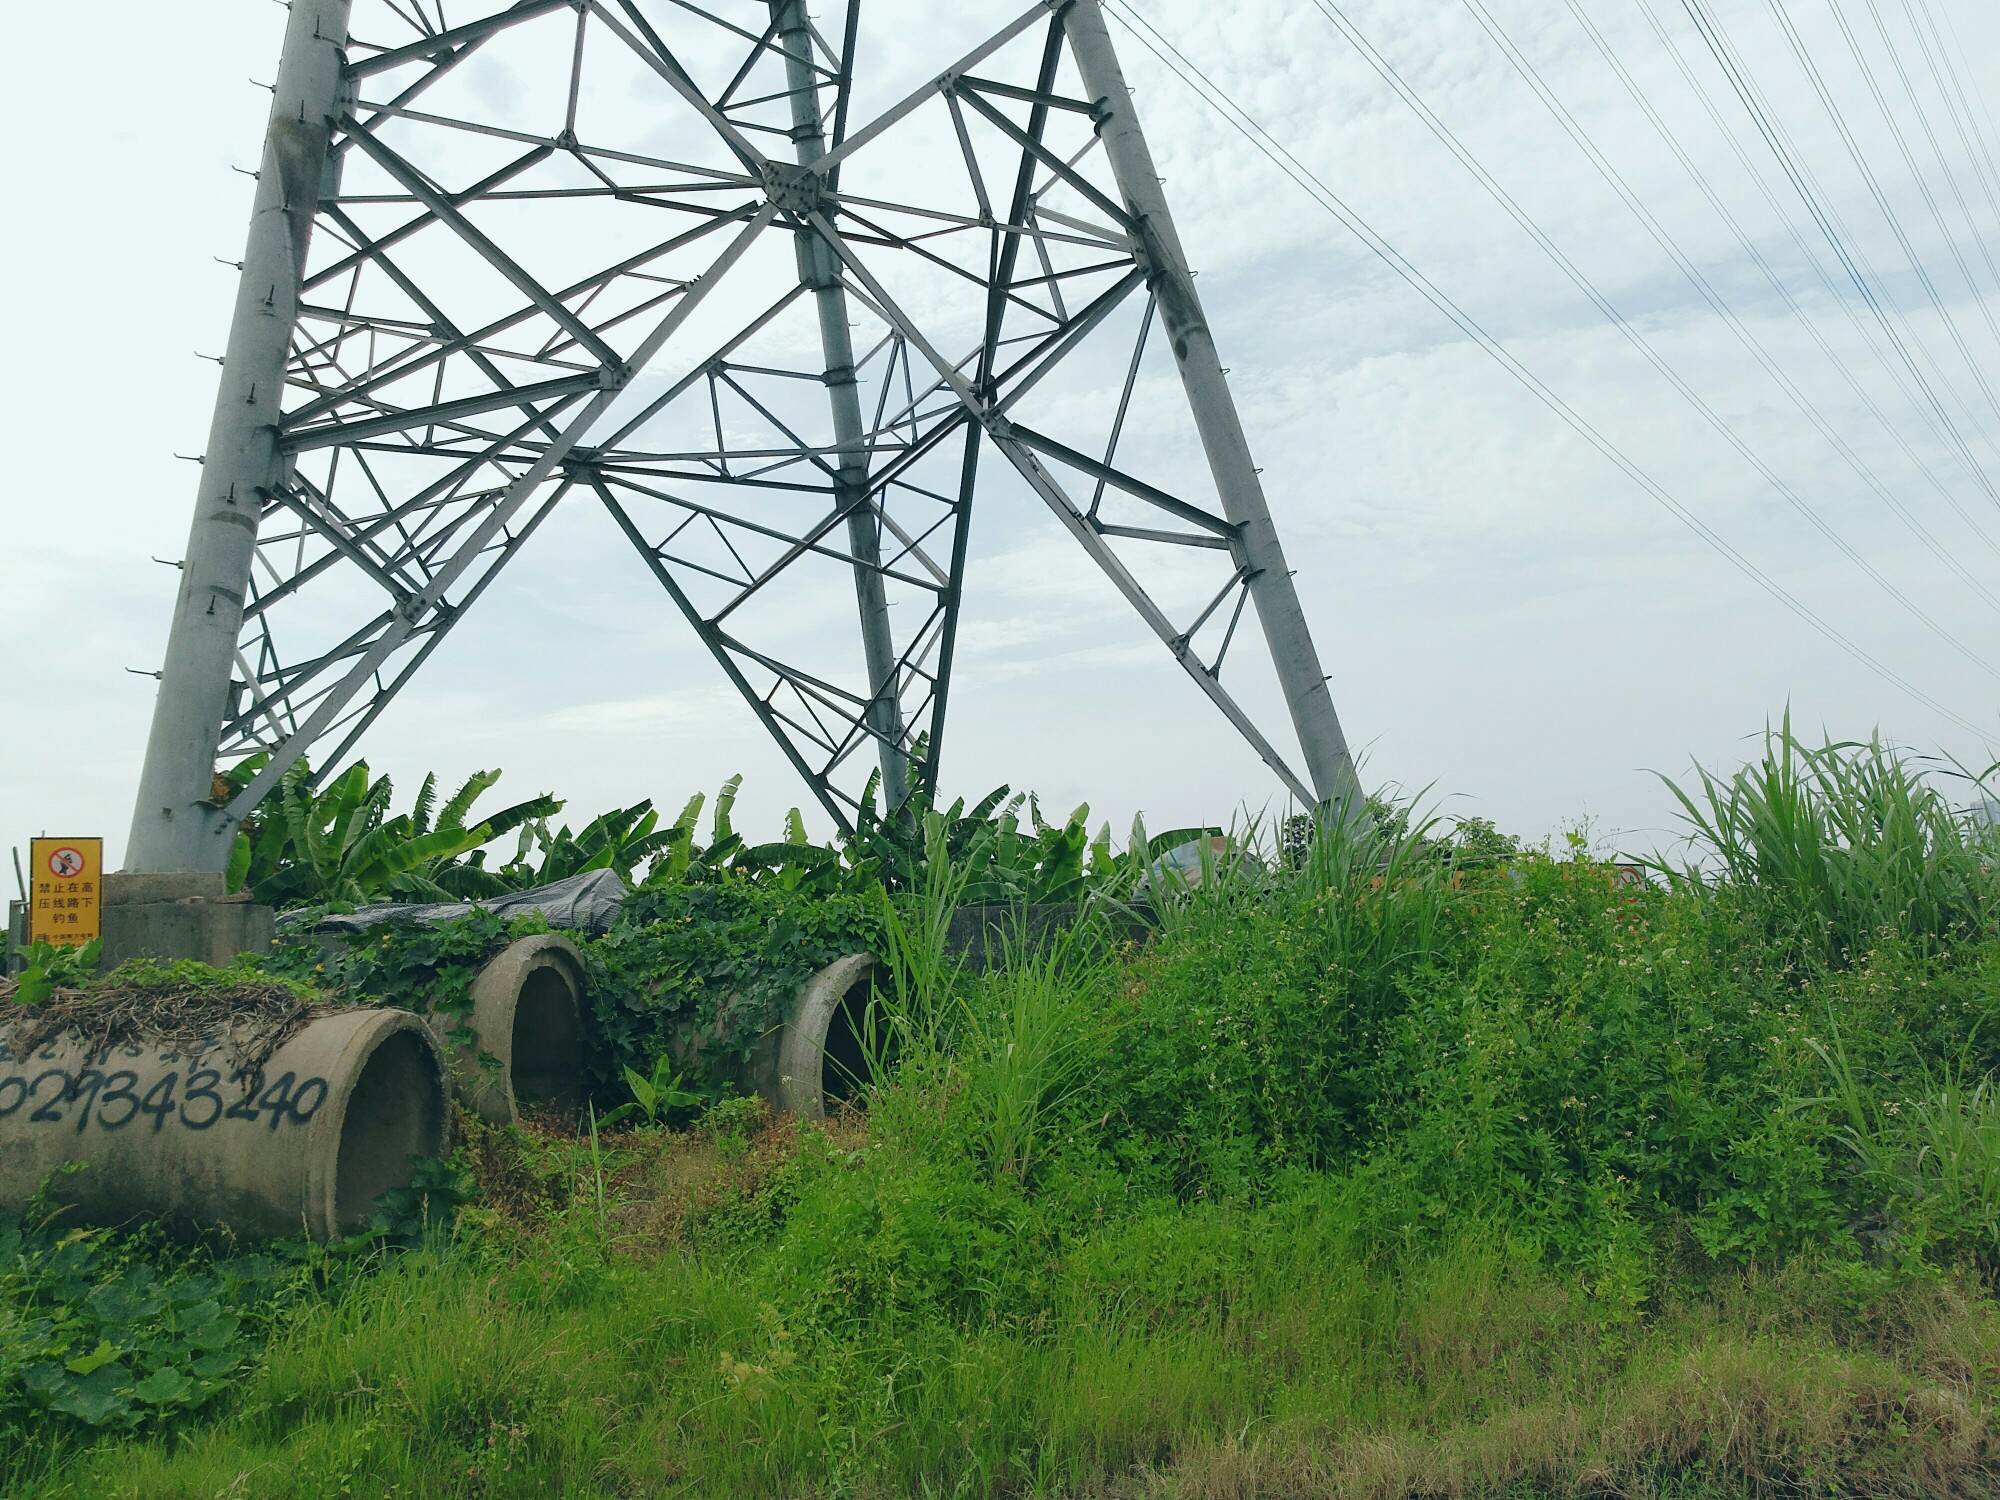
{"x": 682, "y": 958}
{"x": 401, "y": 962}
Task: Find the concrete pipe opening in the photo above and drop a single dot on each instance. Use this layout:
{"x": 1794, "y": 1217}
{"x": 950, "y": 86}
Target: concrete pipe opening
{"x": 823, "y": 1053}
{"x": 394, "y": 1111}
{"x": 303, "y": 1141}
{"x": 548, "y": 1041}
{"x": 844, "y": 1068}
{"x": 527, "y": 1029}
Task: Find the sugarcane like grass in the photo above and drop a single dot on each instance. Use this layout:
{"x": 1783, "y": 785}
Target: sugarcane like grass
{"x": 1839, "y": 843}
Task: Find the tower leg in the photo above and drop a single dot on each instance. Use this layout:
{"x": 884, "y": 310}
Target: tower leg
{"x": 819, "y": 269}
{"x": 1328, "y": 763}
{"x": 175, "y": 826}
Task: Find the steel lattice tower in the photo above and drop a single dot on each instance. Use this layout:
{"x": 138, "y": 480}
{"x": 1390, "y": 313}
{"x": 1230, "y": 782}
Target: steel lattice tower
{"x": 666, "y": 269}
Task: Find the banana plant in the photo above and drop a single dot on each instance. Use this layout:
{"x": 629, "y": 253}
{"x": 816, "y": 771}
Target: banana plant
{"x": 659, "y": 1097}
{"x": 341, "y": 844}
{"x": 467, "y": 878}
{"x": 795, "y": 863}
{"x": 619, "y": 840}
{"x": 677, "y": 854}
{"x": 683, "y": 861}
{"x": 1008, "y": 858}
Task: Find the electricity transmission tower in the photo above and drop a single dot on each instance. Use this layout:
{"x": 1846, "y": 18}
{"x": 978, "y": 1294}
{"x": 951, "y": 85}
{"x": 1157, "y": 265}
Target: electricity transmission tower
{"x": 651, "y": 255}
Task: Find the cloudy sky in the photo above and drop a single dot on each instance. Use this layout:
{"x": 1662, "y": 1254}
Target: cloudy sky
{"x": 1508, "y": 619}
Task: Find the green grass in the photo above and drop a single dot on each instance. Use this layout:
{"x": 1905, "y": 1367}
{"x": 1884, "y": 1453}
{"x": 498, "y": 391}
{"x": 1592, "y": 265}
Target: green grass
{"x": 1215, "y": 1352}
{"x": 1386, "y": 1174}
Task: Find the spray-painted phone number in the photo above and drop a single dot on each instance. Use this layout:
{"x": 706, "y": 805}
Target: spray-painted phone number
{"x": 195, "y": 1102}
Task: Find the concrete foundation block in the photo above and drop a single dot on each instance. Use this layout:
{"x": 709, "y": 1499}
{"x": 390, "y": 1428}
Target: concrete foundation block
{"x": 129, "y": 888}
{"x": 180, "y": 916}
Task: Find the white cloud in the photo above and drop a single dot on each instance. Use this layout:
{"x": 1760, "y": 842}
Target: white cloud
{"x": 696, "y": 712}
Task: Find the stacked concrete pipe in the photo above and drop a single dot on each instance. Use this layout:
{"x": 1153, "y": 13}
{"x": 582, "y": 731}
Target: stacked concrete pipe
{"x": 527, "y": 1017}
{"x": 306, "y": 1142}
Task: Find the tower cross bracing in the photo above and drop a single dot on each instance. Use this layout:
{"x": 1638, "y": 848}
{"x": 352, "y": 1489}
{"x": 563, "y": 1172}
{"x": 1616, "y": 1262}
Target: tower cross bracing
{"x": 649, "y": 255}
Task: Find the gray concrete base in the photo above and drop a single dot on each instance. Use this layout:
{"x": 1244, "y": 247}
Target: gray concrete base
{"x": 180, "y": 916}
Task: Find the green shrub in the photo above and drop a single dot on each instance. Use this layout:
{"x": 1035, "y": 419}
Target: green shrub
{"x": 47, "y": 967}
{"x": 1605, "y": 1037}
{"x": 101, "y": 1332}
{"x": 1255, "y": 1026}
{"x": 887, "y": 1235}
{"x": 412, "y": 965}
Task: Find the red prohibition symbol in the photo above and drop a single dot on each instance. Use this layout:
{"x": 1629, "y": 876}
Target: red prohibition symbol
{"x": 65, "y": 862}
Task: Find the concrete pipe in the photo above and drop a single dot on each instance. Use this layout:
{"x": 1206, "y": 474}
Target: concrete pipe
{"x": 821, "y": 1055}
{"x": 305, "y": 1143}
{"x": 814, "y": 1057}
{"x": 526, "y": 1016}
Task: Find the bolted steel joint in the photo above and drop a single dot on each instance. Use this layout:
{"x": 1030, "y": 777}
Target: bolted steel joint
{"x": 793, "y": 189}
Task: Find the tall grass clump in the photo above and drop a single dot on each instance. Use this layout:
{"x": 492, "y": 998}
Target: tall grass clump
{"x": 907, "y": 1020}
{"x": 1833, "y": 846}
{"x": 1031, "y": 1031}
{"x": 1929, "y": 1163}
{"x": 1006, "y": 1048}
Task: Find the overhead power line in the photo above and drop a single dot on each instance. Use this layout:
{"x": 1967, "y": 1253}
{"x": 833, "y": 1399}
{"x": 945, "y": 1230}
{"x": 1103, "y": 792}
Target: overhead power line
{"x": 1723, "y": 427}
{"x": 1923, "y": 398}
{"x": 1963, "y": 123}
{"x": 1895, "y": 56}
{"x": 1879, "y": 298}
{"x": 1791, "y": 301}
{"x": 1989, "y": 169}
{"x": 1889, "y": 215}
{"x": 1700, "y": 282}
{"x": 1176, "y": 62}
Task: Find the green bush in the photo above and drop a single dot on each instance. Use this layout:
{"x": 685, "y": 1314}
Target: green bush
{"x": 1255, "y": 1026}
{"x": 413, "y": 965}
{"x": 47, "y": 967}
{"x": 103, "y": 1332}
{"x": 1551, "y": 1046}
{"x": 885, "y": 1236}
{"x": 1600, "y": 1039}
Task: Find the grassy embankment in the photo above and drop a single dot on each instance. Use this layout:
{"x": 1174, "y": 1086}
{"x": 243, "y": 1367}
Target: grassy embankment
{"x": 1422, "y": 1181}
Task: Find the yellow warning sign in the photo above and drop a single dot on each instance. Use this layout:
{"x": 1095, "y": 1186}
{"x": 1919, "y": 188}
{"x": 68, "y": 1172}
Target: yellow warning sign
{"x": 65, "y": 890}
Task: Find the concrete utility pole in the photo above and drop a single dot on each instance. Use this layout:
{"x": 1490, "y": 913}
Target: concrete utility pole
{"x": 819, "y": 270}
{"x": 176, "y": 827}
{"x": 1328, "y": 762}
